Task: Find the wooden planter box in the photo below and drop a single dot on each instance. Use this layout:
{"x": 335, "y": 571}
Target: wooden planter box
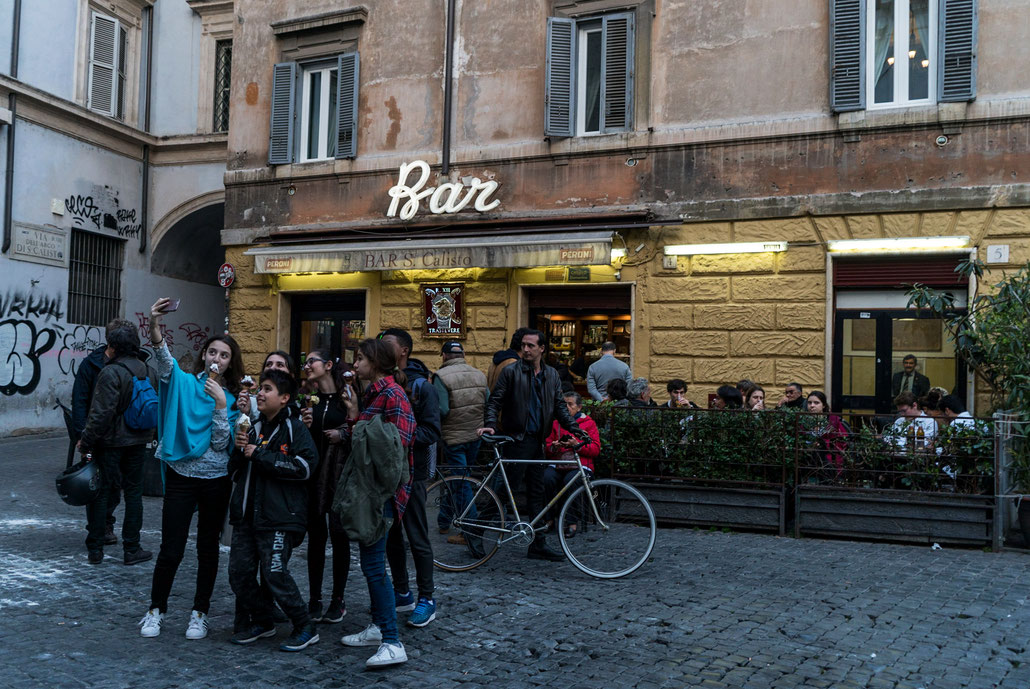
{"x": 893, "y": 515}
{"x": 739, "y": 508}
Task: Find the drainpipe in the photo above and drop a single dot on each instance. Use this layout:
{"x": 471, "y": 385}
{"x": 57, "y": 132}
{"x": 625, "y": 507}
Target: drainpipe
{"x": 144, "y": 204}
{"x": 448, "y": 95}
{"x": 12, "y": 105}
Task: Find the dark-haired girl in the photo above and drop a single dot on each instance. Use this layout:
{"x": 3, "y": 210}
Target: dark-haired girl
{"x": 195, "y": 436}
{"x": 322, "y": 417}
{"x": 376, "y": 363}
{"x": 832, "y": 435}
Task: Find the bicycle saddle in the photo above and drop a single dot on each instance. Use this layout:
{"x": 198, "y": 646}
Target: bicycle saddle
{"x": 496, "y": 439}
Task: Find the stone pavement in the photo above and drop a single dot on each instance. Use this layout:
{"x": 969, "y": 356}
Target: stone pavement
{"x": 711, "y": 610}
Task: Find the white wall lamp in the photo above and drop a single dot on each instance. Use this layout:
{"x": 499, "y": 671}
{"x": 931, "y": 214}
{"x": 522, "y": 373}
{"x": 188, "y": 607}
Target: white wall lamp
{"x": 894, "y": 245}
{"x": 731, "y": 248}
{"x": 618, "y": 254}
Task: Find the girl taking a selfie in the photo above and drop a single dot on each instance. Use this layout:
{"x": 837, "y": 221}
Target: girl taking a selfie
{"x": 196, "y": 420}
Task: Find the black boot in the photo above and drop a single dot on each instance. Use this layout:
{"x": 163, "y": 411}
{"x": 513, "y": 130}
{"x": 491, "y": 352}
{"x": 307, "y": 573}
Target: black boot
{"x": 539, "y": 550}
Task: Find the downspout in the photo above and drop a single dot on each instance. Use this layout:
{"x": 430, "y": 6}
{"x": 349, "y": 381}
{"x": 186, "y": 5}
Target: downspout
{"x": 448, "y": 95}
{"x": 144, "y": 204}
{"x": 12, "y": 105}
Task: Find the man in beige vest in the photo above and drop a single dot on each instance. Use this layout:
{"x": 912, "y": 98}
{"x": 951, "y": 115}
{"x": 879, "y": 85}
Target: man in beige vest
{"x": 462, "y": 393}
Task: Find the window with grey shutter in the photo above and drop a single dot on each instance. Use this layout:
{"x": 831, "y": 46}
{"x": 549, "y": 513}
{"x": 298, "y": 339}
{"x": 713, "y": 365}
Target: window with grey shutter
{"x": 617, "y": 72}
{"x": 347, "y": 70}
{"x": 284, "y": 83}
{"x": 106, "y": 46}
{"x": 847, "y": 66}
{"x": 559, "y": 90}
{"x": 956, "y": 72}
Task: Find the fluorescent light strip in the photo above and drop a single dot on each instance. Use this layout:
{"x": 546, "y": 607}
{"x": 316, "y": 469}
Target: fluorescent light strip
{"x": 731, "y": 248}
{"x": 887, "y": 245}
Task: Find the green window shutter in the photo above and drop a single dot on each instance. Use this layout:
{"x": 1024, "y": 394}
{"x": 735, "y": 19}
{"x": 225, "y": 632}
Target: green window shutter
{"x": 956, "y": 52}
{"x": 347, "y": 69}
{"x": 847, "y": 48}
{"x": 617, "y": 40}
{"x": 104, "y": 40}
{"x": 559, "y": 80}
{"x": 284, "y": 91}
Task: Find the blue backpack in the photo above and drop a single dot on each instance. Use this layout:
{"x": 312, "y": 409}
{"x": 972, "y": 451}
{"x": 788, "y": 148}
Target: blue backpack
{"x": 141, "y": 414}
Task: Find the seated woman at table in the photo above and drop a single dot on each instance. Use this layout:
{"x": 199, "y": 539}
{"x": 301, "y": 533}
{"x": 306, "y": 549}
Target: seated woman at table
{"x": 832, "y": 435}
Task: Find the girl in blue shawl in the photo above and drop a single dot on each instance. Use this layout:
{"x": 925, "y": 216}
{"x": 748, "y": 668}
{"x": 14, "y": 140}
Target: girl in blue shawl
{"x": 196, "y": 422}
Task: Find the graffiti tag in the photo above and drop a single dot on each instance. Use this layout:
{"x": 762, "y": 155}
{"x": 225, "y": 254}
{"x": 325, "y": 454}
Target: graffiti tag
{"x": 21, "y": 345}
{"x": 31, "y": 305}
{"x": 195, "y": 334}
{"x": 76, "y": 345}
{"x": 143, "y": 320}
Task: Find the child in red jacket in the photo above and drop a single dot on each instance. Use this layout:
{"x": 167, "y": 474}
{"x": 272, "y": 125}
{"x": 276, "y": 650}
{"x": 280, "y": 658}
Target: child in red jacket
{"x": 559, "y": 448}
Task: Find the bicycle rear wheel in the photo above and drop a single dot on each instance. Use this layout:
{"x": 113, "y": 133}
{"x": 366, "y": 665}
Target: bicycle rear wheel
{"x": 461, "y": 538}
{"x": 625, "y": 540}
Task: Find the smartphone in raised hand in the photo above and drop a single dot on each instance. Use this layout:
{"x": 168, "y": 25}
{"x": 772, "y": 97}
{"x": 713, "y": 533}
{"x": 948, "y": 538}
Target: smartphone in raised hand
{"x": 173, "y": 305}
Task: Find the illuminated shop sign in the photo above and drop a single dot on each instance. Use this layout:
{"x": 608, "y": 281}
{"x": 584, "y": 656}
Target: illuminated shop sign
{"x": 449, "y": 197}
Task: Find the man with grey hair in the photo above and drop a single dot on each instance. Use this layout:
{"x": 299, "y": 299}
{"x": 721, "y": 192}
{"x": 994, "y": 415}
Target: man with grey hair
{"x": 639, "y": 393}
{"x": 604, "y": 370}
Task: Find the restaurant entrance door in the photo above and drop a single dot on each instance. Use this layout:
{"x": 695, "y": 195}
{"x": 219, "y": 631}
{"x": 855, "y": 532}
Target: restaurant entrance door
{"x": 327, "y": 321}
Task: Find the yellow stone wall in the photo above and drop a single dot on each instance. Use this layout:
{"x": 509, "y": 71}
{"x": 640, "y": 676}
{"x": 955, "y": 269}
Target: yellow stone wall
{"x": 711, "y": 320}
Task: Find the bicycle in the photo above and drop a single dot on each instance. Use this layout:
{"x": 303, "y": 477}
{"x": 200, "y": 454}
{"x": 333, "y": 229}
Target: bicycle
{"x": 606, "y": 527}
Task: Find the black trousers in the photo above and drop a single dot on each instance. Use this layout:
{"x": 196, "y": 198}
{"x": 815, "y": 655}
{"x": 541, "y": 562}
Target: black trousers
{"x": 209, "y": 498}
{"x": 119, "y": 466}
{"x": 416, "y": 526}
{"x": 532, "y": 474}
{"x": 320, "y": 531}
{"x": 268, "y": 552}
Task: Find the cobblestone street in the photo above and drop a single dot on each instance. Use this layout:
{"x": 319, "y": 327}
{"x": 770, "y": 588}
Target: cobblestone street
{"x": 710, "y": 610}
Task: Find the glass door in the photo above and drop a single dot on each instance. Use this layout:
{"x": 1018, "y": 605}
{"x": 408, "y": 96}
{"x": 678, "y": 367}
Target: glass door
{"x": 333, "y": 322}
{"x": 881, "y": 353}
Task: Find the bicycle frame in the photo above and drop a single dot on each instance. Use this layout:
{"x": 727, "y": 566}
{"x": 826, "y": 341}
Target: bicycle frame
{"x": 499, "y": 467}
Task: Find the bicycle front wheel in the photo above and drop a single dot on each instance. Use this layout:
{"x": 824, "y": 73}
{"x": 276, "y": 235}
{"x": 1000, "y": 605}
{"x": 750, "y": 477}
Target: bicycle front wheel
{"x": 464, "y": 521}
{"x": 620, "y": 542}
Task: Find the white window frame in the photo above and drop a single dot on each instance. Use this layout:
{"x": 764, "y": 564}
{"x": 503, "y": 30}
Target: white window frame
{"x": 582, "y": 30}
{"x": 901, "y": 47}
{"x": 326, "y": 71}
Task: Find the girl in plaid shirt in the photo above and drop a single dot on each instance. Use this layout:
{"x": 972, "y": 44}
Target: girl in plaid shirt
{"x": 376, "y": 364}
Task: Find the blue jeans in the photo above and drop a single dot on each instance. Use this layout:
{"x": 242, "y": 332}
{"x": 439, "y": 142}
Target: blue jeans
{"x": 380, "y": 590}
{"x": 462, "y": 455}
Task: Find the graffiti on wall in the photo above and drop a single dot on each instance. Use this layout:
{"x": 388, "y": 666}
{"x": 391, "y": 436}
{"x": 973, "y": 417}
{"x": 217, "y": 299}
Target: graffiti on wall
{"x": 76, "y": 344}
{"x": 102, "y": 210}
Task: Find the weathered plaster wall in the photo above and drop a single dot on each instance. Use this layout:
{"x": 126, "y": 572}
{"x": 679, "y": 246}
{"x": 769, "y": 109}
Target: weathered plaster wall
{"x": 98, "y": 191}
{"x": 47, "y": 63}
{"x": 176, "y": 69}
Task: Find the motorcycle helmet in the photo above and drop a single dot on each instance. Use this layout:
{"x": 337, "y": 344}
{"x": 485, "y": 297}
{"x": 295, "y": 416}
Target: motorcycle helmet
{"x": 79, "y": 484}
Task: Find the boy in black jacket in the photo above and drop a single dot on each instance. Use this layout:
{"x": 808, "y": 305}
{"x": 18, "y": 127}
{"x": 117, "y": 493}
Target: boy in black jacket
{"x": 268, "y": 511}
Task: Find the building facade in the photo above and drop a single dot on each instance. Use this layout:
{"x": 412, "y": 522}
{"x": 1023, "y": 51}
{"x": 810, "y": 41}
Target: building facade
{"x": 582, "y": 165}
{"x": 114, "y": 148}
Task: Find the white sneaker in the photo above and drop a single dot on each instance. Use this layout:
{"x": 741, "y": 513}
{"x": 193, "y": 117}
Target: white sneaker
{"x": 197, "y": 628}
{"x": 388, "y": 654}
{"x": 369, "y": 636}
{"x": 150, "y": 625}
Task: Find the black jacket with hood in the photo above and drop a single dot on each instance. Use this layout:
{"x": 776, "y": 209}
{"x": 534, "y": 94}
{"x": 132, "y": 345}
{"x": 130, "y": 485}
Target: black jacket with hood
{"x": 82, "y": 389}
{"x": 271, "y": 486}
{"x": 425, "y": 404}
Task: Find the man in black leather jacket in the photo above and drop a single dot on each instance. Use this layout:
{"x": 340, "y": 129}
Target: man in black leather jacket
{"x": 528, "y": 398}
